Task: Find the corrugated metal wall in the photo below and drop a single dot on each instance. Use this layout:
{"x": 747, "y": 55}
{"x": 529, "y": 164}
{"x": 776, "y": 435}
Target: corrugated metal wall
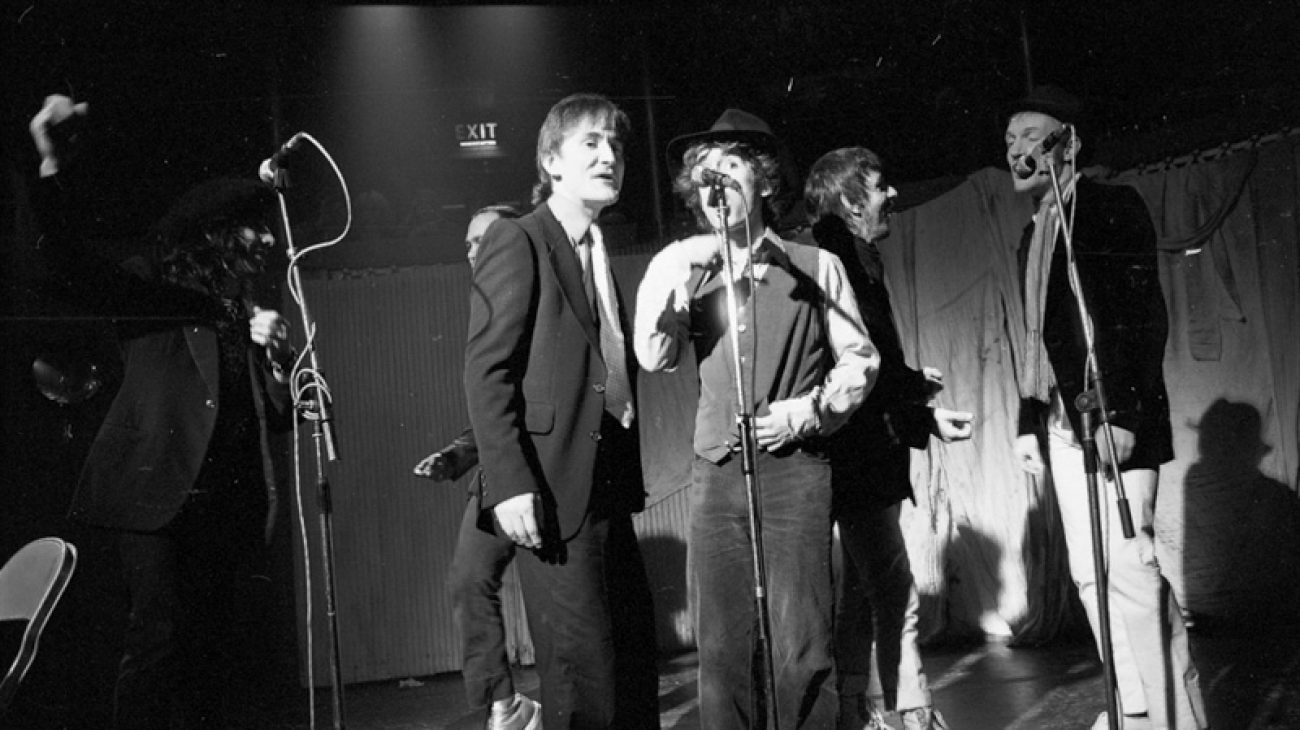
{"x": 391, "y": 345}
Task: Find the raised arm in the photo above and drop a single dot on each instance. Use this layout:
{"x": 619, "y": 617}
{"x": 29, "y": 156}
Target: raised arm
{"x": 663, "y": 302}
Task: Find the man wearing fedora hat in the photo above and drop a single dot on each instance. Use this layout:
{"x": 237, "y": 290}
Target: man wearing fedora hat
{"x": 1114, "y": 245}
{"x": 180, "y": 470}
{"x": 806, "y": 363}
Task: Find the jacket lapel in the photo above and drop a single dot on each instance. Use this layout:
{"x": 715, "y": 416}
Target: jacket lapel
{"x": 563, "y": 261}
{"x": 203, "y": 346}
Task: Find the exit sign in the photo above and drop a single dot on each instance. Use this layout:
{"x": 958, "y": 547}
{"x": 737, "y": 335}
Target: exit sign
{"x": 478, "y": 134}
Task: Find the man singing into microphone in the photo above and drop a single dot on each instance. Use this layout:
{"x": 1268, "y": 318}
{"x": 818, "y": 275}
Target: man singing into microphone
{"x": 180, "y": 469}
{"x": 807, "y": 363}
{"x": 1114, "y": 244}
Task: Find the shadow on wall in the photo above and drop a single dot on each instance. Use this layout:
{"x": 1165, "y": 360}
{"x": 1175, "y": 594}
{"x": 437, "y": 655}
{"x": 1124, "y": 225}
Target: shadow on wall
{"x": 970, "y": 611}
{"x": 1242, "y": 552}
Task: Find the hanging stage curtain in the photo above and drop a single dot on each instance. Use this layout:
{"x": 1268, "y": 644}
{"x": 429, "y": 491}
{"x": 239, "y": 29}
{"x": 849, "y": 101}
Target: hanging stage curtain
{"x": 1228, "y": 508}
{"x": 986, "y": 547}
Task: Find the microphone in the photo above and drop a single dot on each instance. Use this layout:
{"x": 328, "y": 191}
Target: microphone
{"x": 1050, "y": 141}
{"x": 1028, "y": 164}
{"x": 705, "y": 176}
{"x": 275, "y": 163}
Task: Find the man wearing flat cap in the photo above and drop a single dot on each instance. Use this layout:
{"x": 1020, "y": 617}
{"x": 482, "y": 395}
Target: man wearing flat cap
{"x": 1115, "y": 249}
{"x": 806, "y": 362}
{"x": 180, "y": 469}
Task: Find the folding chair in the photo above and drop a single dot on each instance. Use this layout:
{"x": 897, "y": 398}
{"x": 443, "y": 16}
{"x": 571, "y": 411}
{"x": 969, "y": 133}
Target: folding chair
{"x": 31, "y": 583}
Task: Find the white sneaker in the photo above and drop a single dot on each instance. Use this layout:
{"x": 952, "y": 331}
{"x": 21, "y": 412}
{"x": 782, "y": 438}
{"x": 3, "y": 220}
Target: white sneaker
{"x": 922, "y": 718}
{"x": 519, "y": 713}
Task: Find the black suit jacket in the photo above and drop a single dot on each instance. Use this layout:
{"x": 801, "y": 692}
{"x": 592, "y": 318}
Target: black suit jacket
{"x": 1115, "y": 246}
{"x": 534, "y": 380}
{"x": 870, "y": 457}
{"x": 149, "y": 450}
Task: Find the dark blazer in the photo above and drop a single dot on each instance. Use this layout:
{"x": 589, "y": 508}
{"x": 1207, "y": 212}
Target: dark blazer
{"x": 870, "y": 458}
{"x": 151, "y": 446}
{"x": 534, "y": 380}
{"x": 1115, "y": 245}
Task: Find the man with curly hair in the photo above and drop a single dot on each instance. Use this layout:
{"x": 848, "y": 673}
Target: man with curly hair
{"x": 806, "y": 363}
{"x": 181, "y": 468}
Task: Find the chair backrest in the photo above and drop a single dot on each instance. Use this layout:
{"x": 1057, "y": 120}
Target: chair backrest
{"x": 31, "y": 583}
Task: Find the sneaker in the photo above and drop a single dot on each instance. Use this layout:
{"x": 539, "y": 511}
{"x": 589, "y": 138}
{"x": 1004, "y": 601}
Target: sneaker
{"x": 520, "y": 713}
{"x": 922, "y": 718}
{"x": 1126, "y": 722}
{"x": 858, "y": 712}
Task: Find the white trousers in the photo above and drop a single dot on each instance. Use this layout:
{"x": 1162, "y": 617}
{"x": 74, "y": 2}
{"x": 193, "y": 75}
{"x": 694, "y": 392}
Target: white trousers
{"x": 1153, "y": 666}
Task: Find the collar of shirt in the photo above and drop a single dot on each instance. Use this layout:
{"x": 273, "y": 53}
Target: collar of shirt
{"x": 769, "y": 249}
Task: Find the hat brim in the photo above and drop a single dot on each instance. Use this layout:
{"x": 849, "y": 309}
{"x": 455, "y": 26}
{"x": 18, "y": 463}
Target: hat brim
{"x": 229, "y": 198}
{"x": 761, "y": 140}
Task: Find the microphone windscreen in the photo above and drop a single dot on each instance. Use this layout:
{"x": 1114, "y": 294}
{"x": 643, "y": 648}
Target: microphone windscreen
{"x": 265, "y": 172}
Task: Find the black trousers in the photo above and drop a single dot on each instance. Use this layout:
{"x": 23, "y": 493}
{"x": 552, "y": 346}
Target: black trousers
{"x": 193, "y": 650}
{"x": 591, "y": 617}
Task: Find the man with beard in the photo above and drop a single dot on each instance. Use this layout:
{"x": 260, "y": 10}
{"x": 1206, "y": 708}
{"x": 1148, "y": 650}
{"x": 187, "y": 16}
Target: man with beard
{"x": 180, "y": 469}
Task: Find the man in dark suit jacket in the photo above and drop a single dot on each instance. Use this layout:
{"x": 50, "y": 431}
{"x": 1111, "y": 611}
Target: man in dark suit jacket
{"x": 180, "y": 468}
{"x": 549, "y": 386}
{"x": 479, "y": 562}
{"x": 1114, "y": 246}
{"x": 849, "y": 202}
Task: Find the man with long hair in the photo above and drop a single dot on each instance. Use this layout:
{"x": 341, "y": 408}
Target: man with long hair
{"x": 180, "y": 469}
{"x": 806, "y": 363}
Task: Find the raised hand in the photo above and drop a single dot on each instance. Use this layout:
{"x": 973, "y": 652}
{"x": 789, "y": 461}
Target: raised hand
{"x": 54, "y": 131}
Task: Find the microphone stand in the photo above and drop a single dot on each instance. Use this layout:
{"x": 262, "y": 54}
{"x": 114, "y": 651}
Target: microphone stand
{"x": 748, "y": 460}
{"x": 1090, "y": 401}
{"x": 317, "y": 409}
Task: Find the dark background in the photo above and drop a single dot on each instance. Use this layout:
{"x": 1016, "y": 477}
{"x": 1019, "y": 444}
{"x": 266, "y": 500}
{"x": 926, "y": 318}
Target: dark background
{"x": 182, "y": 91}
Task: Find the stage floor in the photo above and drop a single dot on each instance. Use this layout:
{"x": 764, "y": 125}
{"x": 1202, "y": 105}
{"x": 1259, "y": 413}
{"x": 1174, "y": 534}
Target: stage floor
{"x": 1250, "y": 674}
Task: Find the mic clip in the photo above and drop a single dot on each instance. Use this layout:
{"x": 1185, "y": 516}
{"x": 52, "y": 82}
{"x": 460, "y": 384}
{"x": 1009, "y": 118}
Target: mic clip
{"x": 713, "y": 178}
{"x": 1051, "y": 140}
{"x": 274, "y": 169}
